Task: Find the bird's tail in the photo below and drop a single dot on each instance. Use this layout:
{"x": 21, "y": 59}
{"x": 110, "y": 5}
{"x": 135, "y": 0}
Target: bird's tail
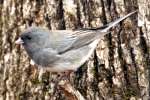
{"x": 108, "y": 26}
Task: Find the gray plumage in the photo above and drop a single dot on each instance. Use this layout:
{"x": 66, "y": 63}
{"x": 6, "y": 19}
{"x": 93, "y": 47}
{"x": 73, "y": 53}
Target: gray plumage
{"x": 62, "y": 50}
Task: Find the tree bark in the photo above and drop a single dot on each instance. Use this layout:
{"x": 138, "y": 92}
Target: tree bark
{"x": 119, "y": 69}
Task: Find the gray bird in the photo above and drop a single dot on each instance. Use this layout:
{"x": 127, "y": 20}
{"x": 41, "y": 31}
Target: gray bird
{"x": 63, "y": 50}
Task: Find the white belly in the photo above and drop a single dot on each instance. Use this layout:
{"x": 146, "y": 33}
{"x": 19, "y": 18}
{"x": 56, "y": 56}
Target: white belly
{"x": 73, "y": 59}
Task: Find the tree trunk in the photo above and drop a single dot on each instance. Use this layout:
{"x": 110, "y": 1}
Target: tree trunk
{"x": 119, "y": 69}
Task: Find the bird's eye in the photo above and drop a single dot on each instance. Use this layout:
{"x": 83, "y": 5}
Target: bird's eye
{"x": 28, "y": 37}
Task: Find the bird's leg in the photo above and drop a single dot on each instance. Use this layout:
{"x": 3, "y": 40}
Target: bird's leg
{"x": 65, "y": 75}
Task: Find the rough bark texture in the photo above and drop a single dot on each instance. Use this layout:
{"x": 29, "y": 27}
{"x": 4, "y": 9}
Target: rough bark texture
{"x": 118, "y": 70}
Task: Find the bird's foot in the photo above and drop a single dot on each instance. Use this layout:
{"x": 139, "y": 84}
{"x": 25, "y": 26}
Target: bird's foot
{"x": 65, "y": 75}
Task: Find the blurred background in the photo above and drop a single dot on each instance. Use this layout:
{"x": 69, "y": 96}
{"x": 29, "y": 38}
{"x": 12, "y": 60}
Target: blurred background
{"x": 118, "y": 70}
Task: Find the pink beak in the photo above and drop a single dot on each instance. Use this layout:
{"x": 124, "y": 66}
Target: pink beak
{"x": 19, "y": 41}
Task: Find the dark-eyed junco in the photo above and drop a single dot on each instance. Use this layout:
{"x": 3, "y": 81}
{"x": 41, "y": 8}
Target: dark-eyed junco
{"x": 63, "y": 50}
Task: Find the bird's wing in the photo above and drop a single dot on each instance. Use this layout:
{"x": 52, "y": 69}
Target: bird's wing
{"x": 72, "y": 39}
{"x": 61, "y": 40}
{"x": 87, "y": 35}
{"x": 65, "y": 40}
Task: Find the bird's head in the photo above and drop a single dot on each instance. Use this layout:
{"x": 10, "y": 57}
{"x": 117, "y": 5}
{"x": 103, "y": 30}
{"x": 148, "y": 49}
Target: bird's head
{"x": 33, "y": 38}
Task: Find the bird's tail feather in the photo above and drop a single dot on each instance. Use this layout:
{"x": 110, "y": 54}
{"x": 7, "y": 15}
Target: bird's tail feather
{"x": 114, "y": 23}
